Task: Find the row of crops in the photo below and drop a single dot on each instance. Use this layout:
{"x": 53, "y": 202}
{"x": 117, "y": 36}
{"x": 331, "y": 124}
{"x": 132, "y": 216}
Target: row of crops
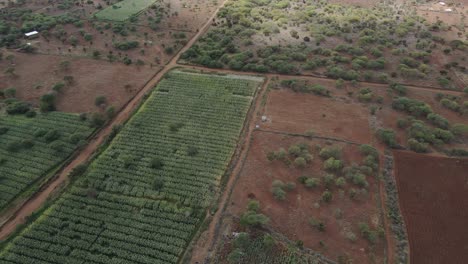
{"x": 123, "y": 10}
{"x": 142, "y": 199}
{"x": 31, "y": 147}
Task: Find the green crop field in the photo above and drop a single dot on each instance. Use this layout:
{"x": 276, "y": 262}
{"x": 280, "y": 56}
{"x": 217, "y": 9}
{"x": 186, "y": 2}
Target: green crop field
{"x": 32, "y": 147}
{"x": 142, "y": 199}
{"x": 123, "y": 10}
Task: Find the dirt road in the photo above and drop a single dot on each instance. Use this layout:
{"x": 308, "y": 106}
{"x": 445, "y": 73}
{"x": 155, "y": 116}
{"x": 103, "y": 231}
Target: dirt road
{"x": 35, "y": 202}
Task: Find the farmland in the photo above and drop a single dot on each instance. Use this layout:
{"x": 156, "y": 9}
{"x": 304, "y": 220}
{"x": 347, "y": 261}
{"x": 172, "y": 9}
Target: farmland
{"x": 142, "y": 199}
{"x": 233, "y": 131}
{"x": 433, "y": 201}
{"x": 123, "y": 10}
{"x": 30, "y": 148}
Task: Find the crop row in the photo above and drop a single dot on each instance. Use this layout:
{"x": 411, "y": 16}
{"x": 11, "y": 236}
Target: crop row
{"x": 142, "y": 199}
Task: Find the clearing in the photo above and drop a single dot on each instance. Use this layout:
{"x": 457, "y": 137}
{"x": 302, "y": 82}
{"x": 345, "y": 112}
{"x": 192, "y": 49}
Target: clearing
{"x": 123, "y": 10}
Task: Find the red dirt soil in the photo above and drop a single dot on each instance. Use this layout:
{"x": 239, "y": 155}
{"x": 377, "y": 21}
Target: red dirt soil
{"x": 331, "y": 117}
{"x": 291, "y": 217}
{"x": 433, "y": 198}
{"x": 36, "y": 74}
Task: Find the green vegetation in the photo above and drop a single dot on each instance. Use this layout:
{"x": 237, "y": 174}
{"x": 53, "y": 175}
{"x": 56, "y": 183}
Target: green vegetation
{"x": 143, "y": 197}
{"x": 342, "y": 41}
{"x": 124, "y": 10}
{"x": 30, "y": 148}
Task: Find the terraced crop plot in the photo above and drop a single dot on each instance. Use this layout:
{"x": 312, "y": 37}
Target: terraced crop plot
{"x": 123, "y": 10}
{"x": 143, "y": 198}
{"x": 32, "y": 147}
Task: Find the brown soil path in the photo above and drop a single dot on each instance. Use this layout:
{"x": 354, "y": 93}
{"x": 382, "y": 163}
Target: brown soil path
{"x": 203, "y": 246}
{"x": 311, "y": 77}
{"x": 35, "y": 202}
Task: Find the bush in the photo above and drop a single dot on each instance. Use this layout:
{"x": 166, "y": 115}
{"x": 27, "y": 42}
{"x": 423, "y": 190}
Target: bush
{"x": 438, "y": 120}
{"x": 300, "y": 162}
{"x": 360, "y": 180}
{"x": 278, "y": 193}
{"x": 333, "y": 164}
{"x": 460, "y": 130}
{"x": 251, "y": 218}
{"x": 97, "y": 120}
{"x": 327, "y": 196}
{"x": 58, "y": 146}
{"x": 312, "y": 182}
{"x": 47, "y": 102}
{"x": 52, "y": 135}
{"x": 387, "y": 136}
{"x": 368, "y": 150}
{"x": 100, "y": 100}
{"x": 411, "y": 106}
{"x": 421, "y": 132}
{"x": 417, "y": 146}
{"x": 319, "y": 225}
{"x": 328, "y": 180}
{"x": 340, "y": 182}
{"x": 17, "y": 107}
{"x": 444, "y": 135}
{"x": 330, "y": 152}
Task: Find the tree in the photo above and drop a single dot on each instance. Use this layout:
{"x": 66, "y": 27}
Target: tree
{"x": 251, "y": 218}
{"x": 100, "y": 100}
{"x": 47, "y": 102}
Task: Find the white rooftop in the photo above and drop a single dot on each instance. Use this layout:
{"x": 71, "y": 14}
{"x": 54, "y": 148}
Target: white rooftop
{"x": 32, "y": 33}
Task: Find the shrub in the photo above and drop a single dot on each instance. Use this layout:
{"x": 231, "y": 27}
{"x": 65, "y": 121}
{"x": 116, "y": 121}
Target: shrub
{"x": 17, "y": 107}
{"x": 290, "y": 186}
{"x": 100, "y": 100}
{"x": 330, "y": 152}
{"x": 450, "y": 104}
{"x": 340, "y": 182}
{"x": 278, "y": 193}
{"x": 460, "y": 130}
{"x": 97, "y": 120}
{"x": 387, "y": 136}
{"x": 333, "y": 164}
{"x": 417, "y": 146}
{"x": 360, "y": 180}
{"x": 368, "y": 150}
{"x": 294, "y": 150}
{"x": 438, "y": 120}
{"x": 421, "y": 132}
{"x": 47, "y": 102}
{"x": 52, "y": 135}
{"x": 312, "y": 182}
{"x": 300, "y": 162}
{"x": 328, "y": 180}
{"x": 444, "y": 135}
{"x": 75, "y": 138}
{"x": 251, "y": 218}
{"x": 411, "y": 106}
{"x": 327, "y": 196}
{"x": 58, "y": 87}
{"x": 319, "y": 225}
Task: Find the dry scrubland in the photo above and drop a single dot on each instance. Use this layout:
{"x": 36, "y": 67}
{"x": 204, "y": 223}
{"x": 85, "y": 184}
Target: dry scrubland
{"x": 311, "y": 167}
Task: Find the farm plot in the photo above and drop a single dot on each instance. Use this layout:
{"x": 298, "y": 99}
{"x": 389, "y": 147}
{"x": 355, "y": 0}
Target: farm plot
{"x": 142, "y": 199}
{"x": 122, "y": 11}
{"x": 432, "y": 192}
{"x": 32, "y": 147}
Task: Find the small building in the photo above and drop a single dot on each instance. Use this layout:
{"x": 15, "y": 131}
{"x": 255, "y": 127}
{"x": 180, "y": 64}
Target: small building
{"x": 31, "y": 35}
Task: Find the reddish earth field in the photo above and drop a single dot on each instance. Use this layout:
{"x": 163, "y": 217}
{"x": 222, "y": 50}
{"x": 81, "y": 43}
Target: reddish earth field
{"x": 433, "y": 198}
{"x": 342, "y": 115}
{"x": 337, "y": 116}
{"x": 36, "y": 74}
{"x": 291, "y": 216}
